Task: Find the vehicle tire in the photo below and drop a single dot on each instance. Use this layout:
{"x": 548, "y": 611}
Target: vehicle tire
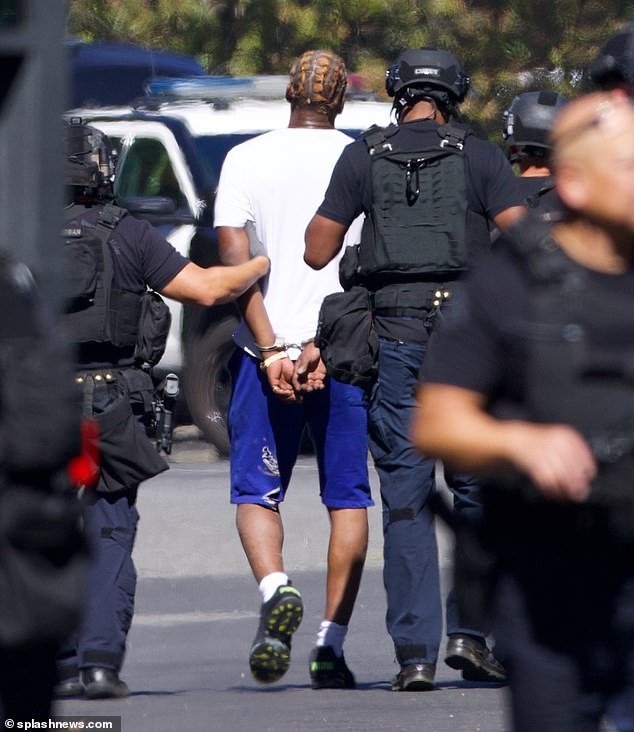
{"x": 207, "y": 384}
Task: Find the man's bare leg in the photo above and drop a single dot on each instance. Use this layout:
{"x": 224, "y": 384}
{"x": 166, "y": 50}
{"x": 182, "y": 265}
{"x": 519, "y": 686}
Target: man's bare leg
{"x": 262, "y": 536}
{"x": 346, "y": 557}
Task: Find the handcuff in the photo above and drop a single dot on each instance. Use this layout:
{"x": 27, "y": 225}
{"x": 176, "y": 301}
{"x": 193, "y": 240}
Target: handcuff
{"x": 283, "y": 350}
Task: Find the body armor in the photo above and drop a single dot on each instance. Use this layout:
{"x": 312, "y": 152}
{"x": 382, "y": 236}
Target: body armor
{"x": 96, "y": 311}
{"x": 416, "y": 229}
{"x": 580, "y": 365}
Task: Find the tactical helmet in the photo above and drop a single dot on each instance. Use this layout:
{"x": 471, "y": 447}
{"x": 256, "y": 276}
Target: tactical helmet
{"x": 615, "y": 62}
{"x": 528, "y": 120}
{"x": 89, "y": 157}
{"x": 318, "y": 78}
{"x": 429, "y": 72}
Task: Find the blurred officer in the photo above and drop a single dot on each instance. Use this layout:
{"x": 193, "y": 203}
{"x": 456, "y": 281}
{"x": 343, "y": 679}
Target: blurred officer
{"x": 110, "y": 316}
{"x": 529, "y": 381}
{"x": 428, "y": 188}
{"x": 42, "y": 555}
{"x": 525, "y": 128}
{"x": 275, "y": 182}
{"x": 613, "y": 68}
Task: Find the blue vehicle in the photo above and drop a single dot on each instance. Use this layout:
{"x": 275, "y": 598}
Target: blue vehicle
{"x": 114, "y": 74}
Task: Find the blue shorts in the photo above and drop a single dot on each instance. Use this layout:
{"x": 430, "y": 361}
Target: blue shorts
{"x": 266, "y": 433}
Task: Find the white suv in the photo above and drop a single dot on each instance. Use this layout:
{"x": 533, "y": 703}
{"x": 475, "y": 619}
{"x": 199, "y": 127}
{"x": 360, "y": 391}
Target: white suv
{"x": 170, "y": 155}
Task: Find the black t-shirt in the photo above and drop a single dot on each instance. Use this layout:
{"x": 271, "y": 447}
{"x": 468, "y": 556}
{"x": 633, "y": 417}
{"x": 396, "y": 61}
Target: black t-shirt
{"x": 481, "y": 345}
{"x": 492, "y": 187}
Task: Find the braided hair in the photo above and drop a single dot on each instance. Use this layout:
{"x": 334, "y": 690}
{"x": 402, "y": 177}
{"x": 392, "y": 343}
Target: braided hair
{"x": 317, "y": 79}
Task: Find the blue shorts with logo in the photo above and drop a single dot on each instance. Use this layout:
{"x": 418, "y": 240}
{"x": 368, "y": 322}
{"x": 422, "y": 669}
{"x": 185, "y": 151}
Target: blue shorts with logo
{"x": 266, "y": 434}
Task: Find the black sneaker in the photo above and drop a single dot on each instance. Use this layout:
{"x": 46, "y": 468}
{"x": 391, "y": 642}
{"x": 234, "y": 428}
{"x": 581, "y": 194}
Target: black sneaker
{"x": 472, "y": 656}
{"x": 328, "y": 671}
{"x": 415, "y": 677}
{"x": 270, "y": 654}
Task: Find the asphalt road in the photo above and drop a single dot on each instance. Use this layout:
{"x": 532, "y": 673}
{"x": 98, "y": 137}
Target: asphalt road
{"x": 197, "y": 607}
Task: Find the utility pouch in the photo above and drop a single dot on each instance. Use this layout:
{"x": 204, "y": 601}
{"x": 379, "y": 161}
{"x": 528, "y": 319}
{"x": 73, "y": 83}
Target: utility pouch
{"x": 82, "y": 270}
{"x": 127, "y": 455}
{"x": 349, "y": 270}
{"x": 346, "y": 337}
{"x": 154, "y": 325}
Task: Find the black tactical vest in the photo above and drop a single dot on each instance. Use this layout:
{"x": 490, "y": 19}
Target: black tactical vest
{"x": 417, "y": 225}
{"x": 580, "y": 363}
{"x": 581, "y": 343}
{"x": 97, "y": 311}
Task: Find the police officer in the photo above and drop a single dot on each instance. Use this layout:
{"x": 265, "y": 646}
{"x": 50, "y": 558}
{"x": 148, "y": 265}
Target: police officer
{"x": 429, "y": 189}
{"x": 526, "y": 126}
{"x": 613, "y": 67}
{"x": 114, "y": 259}
{"x": 529, "y": 381}
{"x": 42, "y": 555}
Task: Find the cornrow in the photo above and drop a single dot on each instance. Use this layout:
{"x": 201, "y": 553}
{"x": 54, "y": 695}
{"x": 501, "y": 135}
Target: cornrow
{"x": 317, "y": 78}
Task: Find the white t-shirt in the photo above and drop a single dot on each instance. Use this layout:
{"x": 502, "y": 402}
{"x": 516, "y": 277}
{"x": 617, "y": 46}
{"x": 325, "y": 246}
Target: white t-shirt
{"x": 277, "y": 181}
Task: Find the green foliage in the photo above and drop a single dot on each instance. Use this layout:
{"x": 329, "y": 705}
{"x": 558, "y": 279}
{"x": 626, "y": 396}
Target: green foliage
{"x": 506, "y": 46}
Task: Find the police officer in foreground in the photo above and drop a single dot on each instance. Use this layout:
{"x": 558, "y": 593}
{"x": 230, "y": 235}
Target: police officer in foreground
{"x": 529, "y": 382}
{"x": 613, "y": 67}
{"x": 42, "y": 554}
{"x": 119, "y": 328}
{"x": 429, "y": 189}
{"x": 526, "y": 127}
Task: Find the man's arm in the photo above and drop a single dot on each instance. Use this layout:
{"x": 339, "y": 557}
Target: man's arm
{"x": 233, "y": 244}
{"x": 453, "y": 425}
{"x": 214, "y": 285}
{"x": 510, "y": 216}
{"x": 324, "y": 239}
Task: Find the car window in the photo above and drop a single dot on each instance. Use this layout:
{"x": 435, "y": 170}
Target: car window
{"x": 211, "y": 150}
{"x": 146, "y": 171}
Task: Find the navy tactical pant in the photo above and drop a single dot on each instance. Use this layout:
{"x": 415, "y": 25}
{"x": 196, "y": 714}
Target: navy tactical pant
{"x": 411, "y": 572}
{"x": 110, "y": 523}
{"x": 564, "y": 623}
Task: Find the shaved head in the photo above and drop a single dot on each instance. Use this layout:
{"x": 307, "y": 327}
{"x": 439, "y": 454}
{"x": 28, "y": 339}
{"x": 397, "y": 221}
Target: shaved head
{"x": 593, "y": 158}
{"x": 589, "y": 121}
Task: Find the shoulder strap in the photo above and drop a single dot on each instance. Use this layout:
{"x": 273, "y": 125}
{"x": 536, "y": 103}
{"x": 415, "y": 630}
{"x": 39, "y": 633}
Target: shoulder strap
{"x": 109, "y": 216}
{"x": 453, "y": 135}
{"x": 377, "y": 140}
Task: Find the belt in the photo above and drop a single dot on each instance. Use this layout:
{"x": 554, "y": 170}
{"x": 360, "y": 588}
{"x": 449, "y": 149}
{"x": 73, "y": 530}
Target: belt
{"x": 107, "y": 376}
{"x": 409, "y": 303}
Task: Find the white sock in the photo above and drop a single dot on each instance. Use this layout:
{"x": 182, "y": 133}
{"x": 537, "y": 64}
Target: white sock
{"x": 270, "y": 583}
{"x": 333, "y": 635}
